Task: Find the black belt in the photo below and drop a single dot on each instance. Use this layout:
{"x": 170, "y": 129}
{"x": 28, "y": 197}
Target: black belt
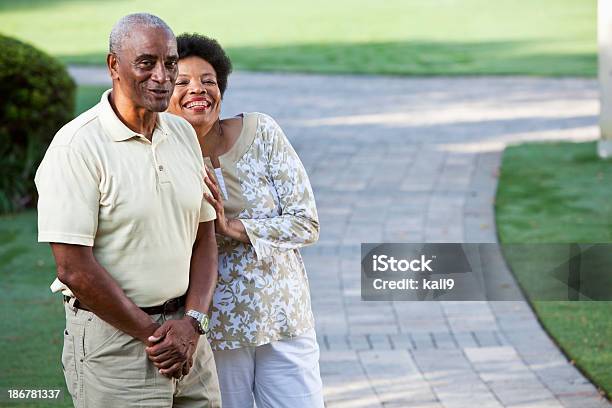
{"x": 170, "y": 306}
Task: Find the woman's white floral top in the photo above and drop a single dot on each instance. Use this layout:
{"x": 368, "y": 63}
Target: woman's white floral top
{"x": 262, "y": 294}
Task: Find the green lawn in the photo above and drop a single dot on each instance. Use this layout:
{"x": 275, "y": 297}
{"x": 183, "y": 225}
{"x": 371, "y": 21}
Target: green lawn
{"x": 413, "y": 37}
{"x": 87, "y": 96}
{"x": 32, "y": 317}
{"x": 560, "y": 193}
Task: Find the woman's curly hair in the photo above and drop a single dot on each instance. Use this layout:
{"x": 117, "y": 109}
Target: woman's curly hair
{"x": 209, "y": 50}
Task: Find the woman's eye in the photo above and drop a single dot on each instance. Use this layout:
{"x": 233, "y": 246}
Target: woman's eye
{"x": 181, "y": 83}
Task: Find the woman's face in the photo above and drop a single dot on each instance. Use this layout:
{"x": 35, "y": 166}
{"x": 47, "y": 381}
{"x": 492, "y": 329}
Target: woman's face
{"x": 196, "y": 96}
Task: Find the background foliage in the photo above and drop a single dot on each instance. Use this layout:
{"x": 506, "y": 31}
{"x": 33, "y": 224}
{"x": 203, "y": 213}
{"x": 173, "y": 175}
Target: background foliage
{"x": 37, "y": 99}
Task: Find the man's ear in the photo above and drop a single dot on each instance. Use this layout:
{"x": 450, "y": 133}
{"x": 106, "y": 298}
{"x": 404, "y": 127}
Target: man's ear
{"x": 112, "y": 63}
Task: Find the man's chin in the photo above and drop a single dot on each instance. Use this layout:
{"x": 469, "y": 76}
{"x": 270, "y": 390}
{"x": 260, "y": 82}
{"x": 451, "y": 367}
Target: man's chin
{"x": 158, "y": 106}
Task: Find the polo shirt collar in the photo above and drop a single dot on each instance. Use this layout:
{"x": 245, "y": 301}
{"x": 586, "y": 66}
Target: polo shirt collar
{"x": 117, "y": 130}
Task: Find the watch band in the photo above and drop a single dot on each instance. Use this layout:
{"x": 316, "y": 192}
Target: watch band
{"x": 201, "y": 318}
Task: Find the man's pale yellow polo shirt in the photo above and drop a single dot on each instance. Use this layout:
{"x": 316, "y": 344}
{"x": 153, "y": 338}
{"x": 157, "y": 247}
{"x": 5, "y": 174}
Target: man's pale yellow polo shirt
{"x": 137, "y": 202}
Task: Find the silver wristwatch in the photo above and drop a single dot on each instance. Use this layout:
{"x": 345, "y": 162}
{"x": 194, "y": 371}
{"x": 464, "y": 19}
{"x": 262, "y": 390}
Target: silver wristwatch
{"x": 201, "y": 318}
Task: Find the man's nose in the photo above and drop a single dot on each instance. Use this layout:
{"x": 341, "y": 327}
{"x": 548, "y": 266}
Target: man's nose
{"x": 160, "y": 74}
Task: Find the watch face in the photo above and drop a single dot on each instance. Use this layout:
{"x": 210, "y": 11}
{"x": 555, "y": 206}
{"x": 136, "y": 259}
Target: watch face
{"x": 204, "y": 324}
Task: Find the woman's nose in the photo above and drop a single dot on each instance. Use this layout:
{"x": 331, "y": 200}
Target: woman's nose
{"x": 197, "y": 89}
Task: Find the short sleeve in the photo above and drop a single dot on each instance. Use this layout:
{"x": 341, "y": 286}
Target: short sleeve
{"x": 69, "y": 197}
{"x": 207, "y": 211}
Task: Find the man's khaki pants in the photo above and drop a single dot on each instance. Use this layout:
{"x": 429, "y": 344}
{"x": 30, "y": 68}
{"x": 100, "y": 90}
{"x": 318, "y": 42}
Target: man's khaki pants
{"x": 107, "y": 368}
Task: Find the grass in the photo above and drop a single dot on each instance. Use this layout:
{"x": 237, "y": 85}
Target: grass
{"x": 560, "y": 193}
{"x": 87, "y": 96}
{"x": 32, "y": 317}
{"x": 400, "y": 37}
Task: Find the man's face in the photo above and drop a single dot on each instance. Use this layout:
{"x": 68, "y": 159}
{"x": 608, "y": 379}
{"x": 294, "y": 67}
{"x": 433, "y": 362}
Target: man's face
{"x": 146, "y": 68}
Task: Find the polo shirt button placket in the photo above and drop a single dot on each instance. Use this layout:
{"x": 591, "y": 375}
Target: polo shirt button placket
{"x": 160, "y": 169}
{"x": 163, "y": 174}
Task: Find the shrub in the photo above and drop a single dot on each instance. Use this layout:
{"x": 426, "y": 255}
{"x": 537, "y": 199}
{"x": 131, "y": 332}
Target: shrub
{"x": 37, "y": 98}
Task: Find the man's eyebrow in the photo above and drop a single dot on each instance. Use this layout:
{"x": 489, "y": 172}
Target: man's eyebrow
{"x": 146, "y": 56}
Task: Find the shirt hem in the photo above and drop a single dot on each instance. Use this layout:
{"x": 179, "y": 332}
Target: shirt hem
{"x": 210, "y": 218}
{"x": 229, "y": 345}
{"x": 65, "y": 238}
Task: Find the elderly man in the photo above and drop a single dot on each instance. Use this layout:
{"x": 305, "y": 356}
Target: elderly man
{"x": 121, "y": 202}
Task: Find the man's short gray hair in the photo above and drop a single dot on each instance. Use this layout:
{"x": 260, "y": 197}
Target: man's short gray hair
{"x": 122, "y": 28}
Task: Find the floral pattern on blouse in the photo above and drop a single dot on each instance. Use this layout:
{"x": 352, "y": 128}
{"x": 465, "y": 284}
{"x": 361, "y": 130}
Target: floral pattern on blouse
{"x": 262, "y": 294}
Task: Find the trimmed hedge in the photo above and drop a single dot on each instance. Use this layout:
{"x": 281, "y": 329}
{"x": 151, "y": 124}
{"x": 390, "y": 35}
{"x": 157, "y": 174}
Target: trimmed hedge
{"x": 37, "y": 98}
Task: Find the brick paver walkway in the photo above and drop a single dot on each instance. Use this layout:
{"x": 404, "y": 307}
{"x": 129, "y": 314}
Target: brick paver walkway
{"x": 413, "y": 160}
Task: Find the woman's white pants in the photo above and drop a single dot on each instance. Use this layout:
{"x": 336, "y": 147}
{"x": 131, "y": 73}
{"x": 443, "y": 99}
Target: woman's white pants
{"x": 280, "y": 374}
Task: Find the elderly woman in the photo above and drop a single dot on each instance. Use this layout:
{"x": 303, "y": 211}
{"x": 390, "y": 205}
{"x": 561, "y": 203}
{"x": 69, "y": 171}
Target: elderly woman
{"x": 261, "y": 326}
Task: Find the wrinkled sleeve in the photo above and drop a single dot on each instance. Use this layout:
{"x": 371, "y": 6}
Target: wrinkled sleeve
{"x": 207, "y": 211}
{"x": 68, "y": 198}
{"x": 298, "y": 223}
